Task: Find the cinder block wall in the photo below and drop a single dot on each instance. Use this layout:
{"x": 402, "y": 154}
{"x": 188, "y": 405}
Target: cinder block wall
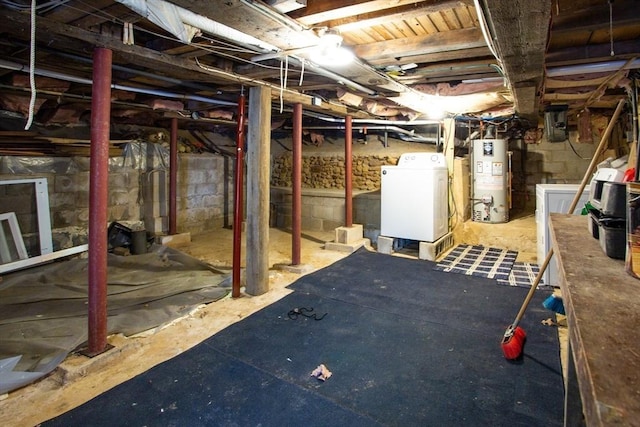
{"x": 204, "y": 196}
{"x": 68, "y": 186}
{"x": 205, "y": 192}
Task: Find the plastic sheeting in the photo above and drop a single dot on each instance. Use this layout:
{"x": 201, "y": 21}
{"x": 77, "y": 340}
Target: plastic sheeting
{"x": 43, "y": 310}
{"x": 135, "y": 154}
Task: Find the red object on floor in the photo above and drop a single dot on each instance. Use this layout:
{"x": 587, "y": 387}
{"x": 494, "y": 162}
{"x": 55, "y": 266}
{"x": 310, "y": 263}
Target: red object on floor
{"x": 629, "y": 175}
{"x": 512, "y": 344}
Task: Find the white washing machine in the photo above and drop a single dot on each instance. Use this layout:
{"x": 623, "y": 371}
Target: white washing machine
{"x": 414, "y": 198}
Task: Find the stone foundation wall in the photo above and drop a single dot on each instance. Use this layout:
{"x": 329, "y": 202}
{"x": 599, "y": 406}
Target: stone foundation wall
{"x": 328, "y": 172}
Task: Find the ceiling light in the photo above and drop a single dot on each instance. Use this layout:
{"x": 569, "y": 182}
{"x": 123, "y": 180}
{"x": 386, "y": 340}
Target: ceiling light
{"x": 330, "y": 50}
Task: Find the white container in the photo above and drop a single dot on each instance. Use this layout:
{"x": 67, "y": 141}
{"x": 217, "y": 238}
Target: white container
{"x": 414, "y": 198}
{"x": 553, "y": 198}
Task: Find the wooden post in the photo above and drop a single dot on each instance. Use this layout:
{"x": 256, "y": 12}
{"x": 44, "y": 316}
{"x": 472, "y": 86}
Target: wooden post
{"x": 258, "y": 175}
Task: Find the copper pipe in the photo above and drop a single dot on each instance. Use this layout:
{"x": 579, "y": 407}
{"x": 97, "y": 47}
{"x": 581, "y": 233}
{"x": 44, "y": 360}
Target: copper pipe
{"x": 296, "y": 180}
{"x": 348, "y": 167}
{"x": 98, "y": 197}
{"x": 238, "y": 199}
{"x": 173, "y": 177}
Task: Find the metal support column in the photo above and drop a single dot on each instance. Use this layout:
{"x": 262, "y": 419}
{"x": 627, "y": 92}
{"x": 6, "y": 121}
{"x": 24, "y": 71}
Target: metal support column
{"x": 238, "y": 199}
{"x": 348, "y": 168}
{"x": 296, "y": 180}
{"x": 98, "y": 197}
{"x": 173, "y": 177}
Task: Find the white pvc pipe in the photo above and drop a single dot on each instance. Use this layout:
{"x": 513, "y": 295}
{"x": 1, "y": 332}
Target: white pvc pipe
{"x": 8, "y": 65}
{"x": 599, "y": 67}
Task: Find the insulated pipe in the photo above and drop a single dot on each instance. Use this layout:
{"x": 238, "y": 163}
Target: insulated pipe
{"x": 238, "y": 199}
{"x": 296, "y": 180}
{"x": 8, "y": 65}
{"x": 184, "y": 16}
{"x": 173, "y": 19}
{"x": 173, "y": 177}
{"x": 98, "y": 196}
{"x": 348, "y": 199}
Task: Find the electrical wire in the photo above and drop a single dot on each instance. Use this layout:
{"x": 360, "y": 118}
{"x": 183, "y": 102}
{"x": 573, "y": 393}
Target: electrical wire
{"x": 611, "y": 26}
{"x": 32, "y": 62}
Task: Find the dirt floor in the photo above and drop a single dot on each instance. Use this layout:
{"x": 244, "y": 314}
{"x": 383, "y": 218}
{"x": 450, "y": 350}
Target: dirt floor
{"x": 78, "y": 378}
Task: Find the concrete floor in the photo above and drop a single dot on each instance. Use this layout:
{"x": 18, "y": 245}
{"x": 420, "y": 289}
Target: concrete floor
{"x": 78, "y": 379}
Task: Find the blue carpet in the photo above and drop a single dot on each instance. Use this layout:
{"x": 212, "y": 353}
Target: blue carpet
{"x": 407, "y": 346}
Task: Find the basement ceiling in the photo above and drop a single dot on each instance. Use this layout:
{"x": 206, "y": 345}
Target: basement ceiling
{"x": 411, "y": 56}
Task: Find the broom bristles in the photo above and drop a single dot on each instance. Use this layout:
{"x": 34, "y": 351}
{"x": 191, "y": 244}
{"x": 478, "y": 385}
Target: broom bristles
{"x": 513, "y": 342}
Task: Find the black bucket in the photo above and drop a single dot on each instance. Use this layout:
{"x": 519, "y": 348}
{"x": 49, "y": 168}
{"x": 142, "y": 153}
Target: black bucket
{"x": 632, "y": 260}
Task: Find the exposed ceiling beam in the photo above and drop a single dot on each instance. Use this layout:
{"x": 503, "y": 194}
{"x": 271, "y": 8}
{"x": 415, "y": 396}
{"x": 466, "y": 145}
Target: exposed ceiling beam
{"x": 521, "y": 45}
{"x": 318, "y": 11}
{"x": 592, "y": 53}
{"x": 437, "y": 57}
{"x": 20, "y": 23}
{"x": 433, "y": 43}
{"x": 382, "y": 16}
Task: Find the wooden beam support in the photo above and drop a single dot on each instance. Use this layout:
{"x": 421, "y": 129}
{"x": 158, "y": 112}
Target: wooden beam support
{"x": 420, "y": 45}
{"x": 520, "y": 42}
{"x": 258, "y": 177}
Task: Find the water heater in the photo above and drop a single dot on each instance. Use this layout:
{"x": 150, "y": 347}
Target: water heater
{"x": 490, "y": 188}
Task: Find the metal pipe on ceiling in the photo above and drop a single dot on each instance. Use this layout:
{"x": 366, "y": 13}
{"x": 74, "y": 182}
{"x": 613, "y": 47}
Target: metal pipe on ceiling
{"x": 598, "y": 67}
{"x": 8, "y": 65}
{"x": 205, "y": 24}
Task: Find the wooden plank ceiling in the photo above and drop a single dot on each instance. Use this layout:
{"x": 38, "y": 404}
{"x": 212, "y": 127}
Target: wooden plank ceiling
{"x": 409, "y": 54}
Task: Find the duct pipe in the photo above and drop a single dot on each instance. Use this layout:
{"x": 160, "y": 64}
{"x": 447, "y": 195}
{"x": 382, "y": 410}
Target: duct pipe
{"x": 599, "y": 67}
{"x": 348, "y": 167}
{"x": 173, "y": 19}
{"x": 124, "y": 69}
{"x": 207, "y": 25}
{"x": 373, "y": 121}
{"x": 8, "y": 65}
{"x": 98, "y": 197}
{"x": 238, "y": 199}
{"x": 173, "y": 176}
{"x": 296, "y": 183}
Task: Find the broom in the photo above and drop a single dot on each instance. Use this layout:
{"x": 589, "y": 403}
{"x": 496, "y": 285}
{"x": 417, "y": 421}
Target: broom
{"x": 514, "y": 336}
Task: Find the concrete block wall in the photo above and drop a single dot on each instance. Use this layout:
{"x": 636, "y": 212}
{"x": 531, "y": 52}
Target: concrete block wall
{"x": 324, "y": 210}
{"x": 68, "y": 201}
{"x": 204, "y": 197}
{"x": 205, "y": 192}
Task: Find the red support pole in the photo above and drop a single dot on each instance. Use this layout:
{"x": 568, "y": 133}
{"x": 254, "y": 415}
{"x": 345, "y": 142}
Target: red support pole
{"x": 173, "y": 177}
{"x": 348, "y": 168}
{"x": 98, "y": 197}
{"x": 238, "y": 199}
{"x": 296, "y": 179}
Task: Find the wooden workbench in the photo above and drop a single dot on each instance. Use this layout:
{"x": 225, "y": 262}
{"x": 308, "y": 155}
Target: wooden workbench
{"x": 602, "y": 302}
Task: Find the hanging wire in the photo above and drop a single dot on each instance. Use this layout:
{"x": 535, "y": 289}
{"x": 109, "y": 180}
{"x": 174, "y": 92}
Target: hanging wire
{"x": 32, "y": 67}
{"x": 611, "y": 25}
